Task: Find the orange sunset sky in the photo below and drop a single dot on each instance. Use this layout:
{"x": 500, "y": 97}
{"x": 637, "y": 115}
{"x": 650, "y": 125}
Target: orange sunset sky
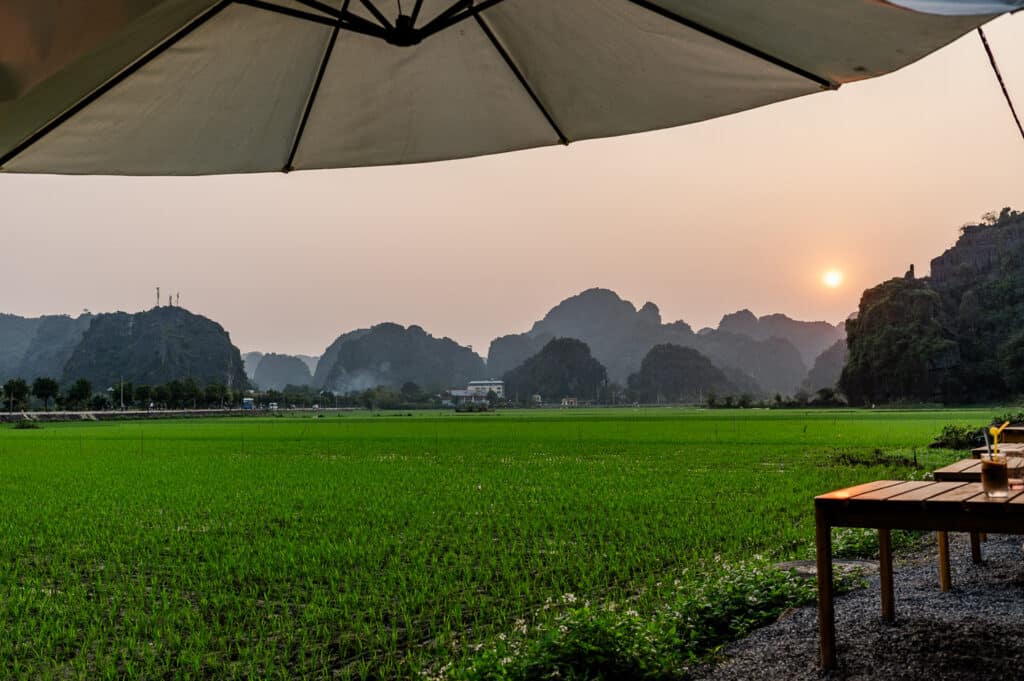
{"x": 745, "y": 211}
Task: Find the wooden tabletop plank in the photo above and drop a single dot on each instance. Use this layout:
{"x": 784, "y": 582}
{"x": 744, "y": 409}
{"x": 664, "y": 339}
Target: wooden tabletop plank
{"x": 928, "y": 491}
{"x": 960, "y": 494}
{"x": 923, "y": 505}
{"x": 960, "y": 466}
{"x": 986, "y": 499}
{"x": 969, "y": 470}
{"x": 1005, "y": 448}
{"x": 840, "y": 494}
{"x": 885, "y": 493}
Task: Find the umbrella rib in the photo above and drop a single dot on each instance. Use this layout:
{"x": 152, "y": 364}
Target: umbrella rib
{"x": 377, "y": 14}
{"x": 732, "y": 42}
{"x": 115, "y": 80}
{"x": 288, "y": 167}
{"x": 320, "y": 7}
{"x": 522, "y": 79}
{"x": 289, "y": 11}
{"x": 348, "y": 21}
{"x": 415, "y": 12}
{"x": 460, "y": 11}
{"x": 447, "y": 14}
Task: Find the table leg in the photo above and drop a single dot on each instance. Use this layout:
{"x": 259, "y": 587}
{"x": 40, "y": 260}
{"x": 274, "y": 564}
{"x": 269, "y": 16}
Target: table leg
{"x": 885, "y": 573}
{"x": 826, "y": 614}
{"x": 944, "y": 580}
{"x": 976, "y": 547}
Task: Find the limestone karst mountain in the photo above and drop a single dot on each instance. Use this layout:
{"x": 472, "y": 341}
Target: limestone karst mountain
{"x": 827, "y": 368}
{"x": 155, "y": 347}
{"x": 390, "y": 355}
{"x": 620, "y": 336}
{"x": 809, "y": 338}
{"x": 310, "y": 361}
{"x": 40, "y": 346}
{"x": 955, "y": 336}
{"x": 277, "y": 371}
{"x": 251, "y": 360}
{"x": 564, "y": 368}
{"x": 674, "y": 374}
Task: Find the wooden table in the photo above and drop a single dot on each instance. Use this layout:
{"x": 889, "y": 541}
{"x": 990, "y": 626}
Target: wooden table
{"x": 1008, "y": 448}
{"x": 967, "y": 470}
{"x": 1012, "y": 435}
{"x": 886, "y": 505}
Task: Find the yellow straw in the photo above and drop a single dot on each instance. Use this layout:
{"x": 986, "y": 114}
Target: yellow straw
{"x": 995, "y": 432}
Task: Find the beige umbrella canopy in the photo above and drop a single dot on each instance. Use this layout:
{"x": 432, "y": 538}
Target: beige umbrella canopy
{"x": 192, "y": 87}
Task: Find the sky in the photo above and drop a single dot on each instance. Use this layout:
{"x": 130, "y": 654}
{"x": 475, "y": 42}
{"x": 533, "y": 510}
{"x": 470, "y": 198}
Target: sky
{"x": 745, "y": 211}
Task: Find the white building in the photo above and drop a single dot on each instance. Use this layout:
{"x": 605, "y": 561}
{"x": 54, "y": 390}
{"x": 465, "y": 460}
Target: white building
{"x": 484, "y": 387}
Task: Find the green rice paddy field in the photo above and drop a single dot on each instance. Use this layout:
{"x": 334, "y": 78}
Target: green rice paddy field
{"x": 363, "y": 546}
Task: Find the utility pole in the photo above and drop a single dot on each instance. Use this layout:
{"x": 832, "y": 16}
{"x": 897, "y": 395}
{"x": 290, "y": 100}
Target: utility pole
{"x": 158, "y": 296}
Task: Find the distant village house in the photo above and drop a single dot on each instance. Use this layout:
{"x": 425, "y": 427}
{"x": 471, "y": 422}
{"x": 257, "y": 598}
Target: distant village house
{"x": 485, "y": 387}
{"x": 474, "y": 393}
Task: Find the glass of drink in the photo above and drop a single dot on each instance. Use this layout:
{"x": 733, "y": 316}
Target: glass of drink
{"x": 994, "y": 478}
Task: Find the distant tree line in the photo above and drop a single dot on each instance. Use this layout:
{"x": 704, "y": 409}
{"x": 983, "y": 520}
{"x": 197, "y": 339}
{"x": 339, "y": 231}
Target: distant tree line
{"x": 18, "y": 395}
{"x": 409, "y": 396}
{"x": 822, "y": 398}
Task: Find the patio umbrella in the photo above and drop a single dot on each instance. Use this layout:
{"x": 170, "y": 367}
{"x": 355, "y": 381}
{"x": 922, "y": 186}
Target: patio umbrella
{"x": 191, "y": 87}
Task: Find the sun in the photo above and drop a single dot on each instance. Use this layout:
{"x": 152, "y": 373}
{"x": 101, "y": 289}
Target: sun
{"x": 832, "y": 278}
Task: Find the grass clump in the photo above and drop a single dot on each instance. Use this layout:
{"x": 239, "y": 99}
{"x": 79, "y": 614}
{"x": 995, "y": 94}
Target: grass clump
{"x": 876, "y": 458}
{"x": 955, "y": 436}
{"x": 699, "y": 613}
{"x": 27, "y": 425}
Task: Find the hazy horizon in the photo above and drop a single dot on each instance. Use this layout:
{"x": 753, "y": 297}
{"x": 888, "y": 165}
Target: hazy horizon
{"x": 480, "y": 350}
{"x": 745, "y": 211}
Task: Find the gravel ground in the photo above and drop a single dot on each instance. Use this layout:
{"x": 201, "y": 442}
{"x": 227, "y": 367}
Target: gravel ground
{"x": 974, "y": 632}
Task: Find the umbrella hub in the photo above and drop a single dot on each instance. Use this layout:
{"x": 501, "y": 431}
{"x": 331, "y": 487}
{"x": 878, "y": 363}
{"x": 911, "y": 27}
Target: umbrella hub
{"x": 405, "y": 31}
{"x": 404, "y": 34}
